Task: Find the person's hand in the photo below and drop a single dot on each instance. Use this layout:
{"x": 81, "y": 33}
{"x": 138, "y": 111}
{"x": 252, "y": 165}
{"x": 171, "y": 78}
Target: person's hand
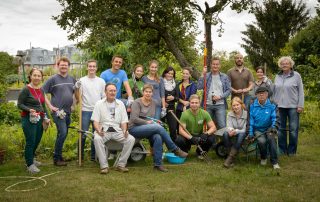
{"x": 77, "y": 85}
{"x": 204, "y": 137}
{"x": 299, "y": 109}
{"x": 169, "y": 98}
{"x": 232, "y": 133}
{"x": 130, "y": 101}
{"x": 125, "y": 134}
{"x": 272, "y": 130}
{"x": 100, "y": 132}
{"x": 240, "y": 91}
{"x": 204, "y": 71}
{"x": 163, "y": 112}
{"x": 150, "y": 122}
{"x": 33, "y": 112}
{"x": 250, "y": 138}
{"x": 216, "y": 97}
{"x": 185, "y": 103}
{"x": 53, "y": 108}
{"x": 195, "y": 140}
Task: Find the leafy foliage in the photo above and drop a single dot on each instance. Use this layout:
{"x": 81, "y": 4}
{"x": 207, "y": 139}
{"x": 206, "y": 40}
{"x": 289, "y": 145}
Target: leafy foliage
{"x": 305, "y": 49}
{"x": 9, "y": 113}
{"x": 6, "y": 67}
{"x": 276, "y": 23}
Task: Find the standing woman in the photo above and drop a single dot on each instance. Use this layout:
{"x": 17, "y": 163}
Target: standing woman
{"x": 262, "y": 81}
{"x": 32, "y": 103}
{"x": 186, "y": 88}
{"x": 158, "y": 88}
{"x": 136, "y": 83}
{"x": 171, "y": 97}
{"x": 289, "y": 96}
{"x": 236, "y": 127}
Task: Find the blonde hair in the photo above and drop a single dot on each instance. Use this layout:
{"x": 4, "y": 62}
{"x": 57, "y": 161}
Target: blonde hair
{"x": 194, "y": 96}
{"x": 238, "y": 100}
{"x": 157, "y": 79}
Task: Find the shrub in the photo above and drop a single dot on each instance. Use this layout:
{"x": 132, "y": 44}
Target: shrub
{"x": 9, "y": 113}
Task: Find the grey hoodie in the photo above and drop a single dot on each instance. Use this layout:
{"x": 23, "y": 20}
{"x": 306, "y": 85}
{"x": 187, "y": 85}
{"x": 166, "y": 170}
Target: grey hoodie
{"x": 288, "y": 90}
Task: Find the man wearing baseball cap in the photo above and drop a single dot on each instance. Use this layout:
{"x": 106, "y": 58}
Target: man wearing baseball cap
{"x": 264, "y": 122}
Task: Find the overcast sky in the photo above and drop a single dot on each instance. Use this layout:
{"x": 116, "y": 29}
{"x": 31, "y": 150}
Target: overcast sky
{"x": 25, "y": 22}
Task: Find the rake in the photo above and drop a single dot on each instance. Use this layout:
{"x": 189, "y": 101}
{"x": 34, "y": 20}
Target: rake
{"x": 203, "y": 153}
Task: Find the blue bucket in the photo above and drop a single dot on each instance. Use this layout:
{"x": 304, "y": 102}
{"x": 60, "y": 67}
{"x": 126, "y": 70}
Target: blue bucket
{"x": 172, "y": 158}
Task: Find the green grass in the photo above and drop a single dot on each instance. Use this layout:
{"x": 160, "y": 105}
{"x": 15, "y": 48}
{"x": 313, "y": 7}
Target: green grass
{"x": 298, "y": 179}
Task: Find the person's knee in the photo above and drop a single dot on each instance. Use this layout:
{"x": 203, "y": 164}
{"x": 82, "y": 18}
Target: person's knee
{"x": 97, "y": 140}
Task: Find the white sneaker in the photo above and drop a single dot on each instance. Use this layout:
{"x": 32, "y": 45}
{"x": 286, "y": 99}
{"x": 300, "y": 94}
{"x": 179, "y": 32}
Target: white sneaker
{"x": 36, "y": 163}
{"x": 276, "y": 166}
{"x": 33, "y": 169}
{"x": 111, "y": 156}
{"x": 263, "y": 162}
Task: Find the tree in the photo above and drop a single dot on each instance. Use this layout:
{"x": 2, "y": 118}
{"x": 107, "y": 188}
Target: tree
{"x": 168, "y": 21}
{"x": 276, "y": 23}
{"x": 304, "y": 48}
{"x": 210, "y": 16}
{"x": 7, "y": 67}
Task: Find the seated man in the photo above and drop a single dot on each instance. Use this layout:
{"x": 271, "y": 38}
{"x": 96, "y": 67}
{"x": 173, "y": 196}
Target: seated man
{"x": 263, "y": 125}
{"x": 110, "y": 123}
{"x": 193, "y": 119}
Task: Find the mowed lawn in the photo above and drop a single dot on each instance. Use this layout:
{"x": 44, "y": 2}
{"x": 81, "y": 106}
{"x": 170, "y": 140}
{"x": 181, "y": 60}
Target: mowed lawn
{"x": 298, "y": 179}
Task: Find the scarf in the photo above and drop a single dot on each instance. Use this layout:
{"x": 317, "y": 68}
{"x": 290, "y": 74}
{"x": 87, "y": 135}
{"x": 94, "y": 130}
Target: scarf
{"x": 169, "y": 85}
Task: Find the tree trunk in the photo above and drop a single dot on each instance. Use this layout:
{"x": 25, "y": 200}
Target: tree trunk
{"x": 175, "y": 50}
{"x": 207, "y": 27}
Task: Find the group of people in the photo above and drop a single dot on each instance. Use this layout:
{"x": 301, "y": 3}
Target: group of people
{"x": 123, "y": 110}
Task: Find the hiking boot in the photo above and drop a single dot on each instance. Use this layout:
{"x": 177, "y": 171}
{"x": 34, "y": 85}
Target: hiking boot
{"x": 180, "y": 153}
{"x": 36, "y": 163}
{"x": 263, "y": 162}
{"x": 60, "y": 163}
{"x": 276, "y": 166}
{"x": 161, "y": 169}
{"x": 229, "y": 161}
{"x": 33, "y": 169}
{"x": 122, "y": 169}
{"x": 104, "y": 171}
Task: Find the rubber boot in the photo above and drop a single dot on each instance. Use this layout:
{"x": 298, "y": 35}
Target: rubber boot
{"x": 229, "y": 161}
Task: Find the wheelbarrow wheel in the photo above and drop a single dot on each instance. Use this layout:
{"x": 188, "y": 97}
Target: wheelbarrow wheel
{"x": 138, "y": 153}
{"x": 221, "y": 150}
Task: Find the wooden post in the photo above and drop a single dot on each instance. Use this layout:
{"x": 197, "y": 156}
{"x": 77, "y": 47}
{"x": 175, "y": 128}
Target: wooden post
{"x": 80, "y": 126}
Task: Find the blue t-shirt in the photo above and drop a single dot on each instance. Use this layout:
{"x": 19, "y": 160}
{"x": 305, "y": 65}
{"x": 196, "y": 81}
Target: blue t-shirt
{"x": 116, "y": 78}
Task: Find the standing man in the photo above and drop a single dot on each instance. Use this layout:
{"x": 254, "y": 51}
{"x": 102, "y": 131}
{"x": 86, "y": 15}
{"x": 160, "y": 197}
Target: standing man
{"x": 110, "y": 123}
{"x": 192, "y": 119}
{"x": 241, "y": 80}
{"x": 60, "y": 87}
{"x": 217, "y": 91}
{"x": 118, "y": 77}
{"x": 92, "y": 88}
{"x": 264, "y": 123}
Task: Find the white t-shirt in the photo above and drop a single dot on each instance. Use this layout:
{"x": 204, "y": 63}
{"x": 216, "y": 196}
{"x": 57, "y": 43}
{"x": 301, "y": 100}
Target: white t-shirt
{"x": 110, "y": 114}
{"x": 92, "y": 91}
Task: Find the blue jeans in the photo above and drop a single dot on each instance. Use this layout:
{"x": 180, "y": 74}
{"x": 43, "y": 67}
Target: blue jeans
{"x": 85, "y": 124}
{"x": 292, "y": 116}
{"x": 247, "y": 100}
{"x": 237, "y": 144}
{"x": 62, "y": 131}
{"x": 156, "y": 134}
{"x": 158, "y": 113}
{"x": 218, "y": 115}
{"x": 267, "y": 142}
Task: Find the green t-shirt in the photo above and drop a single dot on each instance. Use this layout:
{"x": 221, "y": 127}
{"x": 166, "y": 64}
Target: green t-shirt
{"x": 139, "y": 86}
{"x": 194, "y": 123}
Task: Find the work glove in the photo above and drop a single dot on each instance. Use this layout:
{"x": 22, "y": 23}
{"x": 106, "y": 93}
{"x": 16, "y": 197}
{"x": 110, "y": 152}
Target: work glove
{"x": 273, "y": 131}
{"x": 195, "y": 140}
{"x": 130, "y": 101}
{"x": 204, "y": 137}
{"x": 77, "y": 85}
{"x": 163, "y": 112}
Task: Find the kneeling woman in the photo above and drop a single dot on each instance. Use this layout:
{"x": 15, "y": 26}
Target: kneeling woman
{"x": 236, "y": 127}
{"x": 142, "y": 127}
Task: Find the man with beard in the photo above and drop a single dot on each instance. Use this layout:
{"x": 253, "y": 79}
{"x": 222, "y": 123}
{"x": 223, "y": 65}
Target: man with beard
{"x": 241, "y": 80}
